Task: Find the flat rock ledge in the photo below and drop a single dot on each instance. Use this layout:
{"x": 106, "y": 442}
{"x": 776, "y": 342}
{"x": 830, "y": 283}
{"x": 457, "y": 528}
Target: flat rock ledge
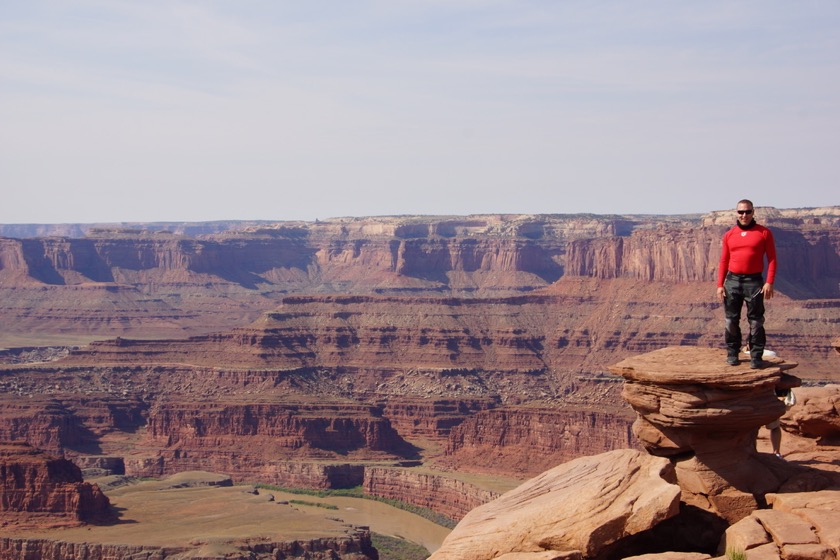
{"x": 802, "y": 525}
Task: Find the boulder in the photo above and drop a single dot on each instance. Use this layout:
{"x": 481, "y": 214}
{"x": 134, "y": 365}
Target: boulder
{"x": 816, "y": 413}
{"x": 581, "y": 507}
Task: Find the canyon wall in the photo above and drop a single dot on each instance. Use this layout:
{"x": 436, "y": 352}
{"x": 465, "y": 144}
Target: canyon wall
{"x": 519, "y": 252}
{"x": 443, "y": 494}
{"x": 145, "y": 283}
{"x": 352, "y": 547}
{"x": 523, "y": 442}
{"x": 474, "y": 346}
{"x": 809, "y": 266}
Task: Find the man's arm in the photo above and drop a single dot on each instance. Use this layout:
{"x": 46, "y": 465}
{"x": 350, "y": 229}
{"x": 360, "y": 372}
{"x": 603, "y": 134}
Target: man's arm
{"x": 770, "y": 251}
{"x": 723, "y": 267}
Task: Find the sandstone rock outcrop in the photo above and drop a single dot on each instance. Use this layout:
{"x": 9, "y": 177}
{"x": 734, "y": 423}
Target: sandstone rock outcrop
{"x": 62, "y": 421}
{"x": 332, "y": 427}
{"x": 694, "y": 407}
{"x": 40, "y": 490}
{"x": 417, "y": 417}
{"x": 256, "y": 441}
{"x": 581, "y": 507}
{"x": 42, "y": 423}
{"x": 816, "y": 414}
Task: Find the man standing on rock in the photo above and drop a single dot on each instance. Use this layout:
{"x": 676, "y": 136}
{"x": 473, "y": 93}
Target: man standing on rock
{"x": 740, "y": 280}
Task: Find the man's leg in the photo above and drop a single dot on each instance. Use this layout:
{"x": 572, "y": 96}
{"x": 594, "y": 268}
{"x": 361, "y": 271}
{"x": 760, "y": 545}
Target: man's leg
{"x": 732, "y": 313}
{"x": 755, "y": 317}
{"x": 775, "y": 428}
{"x": 776, "y": 440}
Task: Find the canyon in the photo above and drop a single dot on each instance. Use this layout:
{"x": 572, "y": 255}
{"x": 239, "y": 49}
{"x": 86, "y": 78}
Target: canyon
{"x": 434, "y": 360}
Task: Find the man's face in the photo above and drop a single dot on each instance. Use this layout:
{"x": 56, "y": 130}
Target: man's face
{"x": 745, "y": 213}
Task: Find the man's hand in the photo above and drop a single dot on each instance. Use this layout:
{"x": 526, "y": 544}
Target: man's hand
{"x": 721, "y": 293}
{"x": 767, "y": 290}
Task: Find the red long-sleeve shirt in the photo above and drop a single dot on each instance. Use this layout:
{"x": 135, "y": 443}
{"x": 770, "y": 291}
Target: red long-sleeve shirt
{"x": 743, "y": 252}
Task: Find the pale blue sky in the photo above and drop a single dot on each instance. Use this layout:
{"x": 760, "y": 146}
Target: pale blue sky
{"x": 147, "y": 110}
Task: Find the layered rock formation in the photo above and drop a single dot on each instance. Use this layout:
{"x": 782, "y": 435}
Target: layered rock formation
{"x": 41, "y": 423}
{"x": 51, "y": 419}
{"x": 428, "y": 363}
{"x": 40, "y": 490}
{"x": 255, "y": 442}
{"x": 816, "y": 414}
{"x": 418, "y": 417}
{"x": 694, "y": 407}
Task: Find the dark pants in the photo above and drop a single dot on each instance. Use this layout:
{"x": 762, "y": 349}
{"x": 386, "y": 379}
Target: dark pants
{"x": 740, "y": 289}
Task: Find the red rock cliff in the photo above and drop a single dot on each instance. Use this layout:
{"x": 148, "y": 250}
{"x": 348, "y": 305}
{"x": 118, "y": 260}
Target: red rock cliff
{"x": 44, "y": 490}
{"x": 809, "y": 265}
{"x": 448, "y": 496}
{"x": 523, "y": 442}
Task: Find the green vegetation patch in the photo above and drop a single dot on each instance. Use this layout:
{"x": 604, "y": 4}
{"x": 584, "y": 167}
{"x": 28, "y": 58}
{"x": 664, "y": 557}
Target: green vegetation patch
{"x": 425, "y": 513}
{"x": 355, "y": 492}
{"x": 314, "y": 504}
{"x": 358, "y": 492}
{"x": 393, "y": 548}
{"x": 736, "y": 554}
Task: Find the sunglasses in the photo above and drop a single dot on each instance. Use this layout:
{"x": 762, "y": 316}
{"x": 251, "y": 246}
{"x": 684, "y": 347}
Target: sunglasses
{"x": 744, "y": 211}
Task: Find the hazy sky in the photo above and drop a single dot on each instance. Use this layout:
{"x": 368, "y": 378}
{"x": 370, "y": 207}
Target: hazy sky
{"x": 150, "y": 110}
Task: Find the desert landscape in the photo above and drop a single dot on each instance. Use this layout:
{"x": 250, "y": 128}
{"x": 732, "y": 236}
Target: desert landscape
{"x": 435, "y": 362}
